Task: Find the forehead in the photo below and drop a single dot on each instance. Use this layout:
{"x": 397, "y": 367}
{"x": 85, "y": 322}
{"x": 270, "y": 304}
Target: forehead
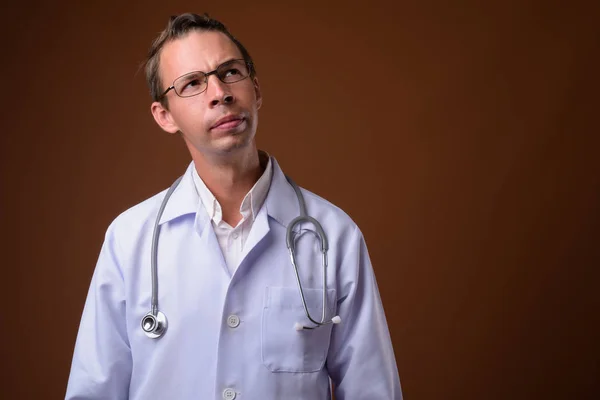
{"x": 196, "y": 51}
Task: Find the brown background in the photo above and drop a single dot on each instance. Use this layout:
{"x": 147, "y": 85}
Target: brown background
{"x": 462, "y": 138}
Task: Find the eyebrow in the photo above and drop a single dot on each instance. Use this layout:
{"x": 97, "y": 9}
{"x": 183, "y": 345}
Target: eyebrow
{"x": 221, "y": 63}
{"x": 218, "y": 65}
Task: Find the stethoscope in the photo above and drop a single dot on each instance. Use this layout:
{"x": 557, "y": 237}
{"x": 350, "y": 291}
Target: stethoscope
{"x": 155, "y": 322}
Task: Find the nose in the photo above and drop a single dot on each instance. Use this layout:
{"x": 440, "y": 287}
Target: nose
{"x": 219, "y": 92}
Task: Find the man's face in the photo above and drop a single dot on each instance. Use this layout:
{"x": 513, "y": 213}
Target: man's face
{"x": 198, "y": 118}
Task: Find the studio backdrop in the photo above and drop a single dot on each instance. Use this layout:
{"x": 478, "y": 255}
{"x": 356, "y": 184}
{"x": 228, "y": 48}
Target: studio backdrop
{"x": 462, "y": 137}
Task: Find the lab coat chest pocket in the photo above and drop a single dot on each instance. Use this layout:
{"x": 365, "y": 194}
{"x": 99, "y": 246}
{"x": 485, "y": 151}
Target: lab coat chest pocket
{"x": 284, "y": 349}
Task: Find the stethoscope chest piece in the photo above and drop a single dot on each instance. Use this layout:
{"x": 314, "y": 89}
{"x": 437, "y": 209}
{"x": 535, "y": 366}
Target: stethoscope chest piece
{"x": 154, "y": 326}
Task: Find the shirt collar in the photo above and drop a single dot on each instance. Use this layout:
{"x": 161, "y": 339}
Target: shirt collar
{"x": 251, "y": 203}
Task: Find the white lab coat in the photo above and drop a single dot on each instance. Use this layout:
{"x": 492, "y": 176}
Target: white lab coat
{"x": 201, "y": 356}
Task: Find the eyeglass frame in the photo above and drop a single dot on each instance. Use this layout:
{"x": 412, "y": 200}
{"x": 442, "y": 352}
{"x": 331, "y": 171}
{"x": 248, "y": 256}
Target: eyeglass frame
{"x": 207, "y": 75}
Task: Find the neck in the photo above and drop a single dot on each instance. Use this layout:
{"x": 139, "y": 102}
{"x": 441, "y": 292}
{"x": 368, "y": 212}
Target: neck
{"x": 230, "y": 179}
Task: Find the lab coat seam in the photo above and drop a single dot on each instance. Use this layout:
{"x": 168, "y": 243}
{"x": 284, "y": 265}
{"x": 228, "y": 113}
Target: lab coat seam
{"x": 122, "y": 261}
{"x": 323, "y": 202}
{"x": 350, "y": 296}
{"x": 353, "y": 242}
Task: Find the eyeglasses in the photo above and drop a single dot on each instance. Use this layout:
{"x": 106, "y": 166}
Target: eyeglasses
{"x": 194, "y": 83}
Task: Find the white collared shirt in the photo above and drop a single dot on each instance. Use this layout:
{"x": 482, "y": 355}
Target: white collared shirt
{"x": 232, "y": 239}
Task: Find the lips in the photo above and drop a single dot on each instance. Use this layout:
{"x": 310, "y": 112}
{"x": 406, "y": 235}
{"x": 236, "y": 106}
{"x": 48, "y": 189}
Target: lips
{"x": 227, "y": 122}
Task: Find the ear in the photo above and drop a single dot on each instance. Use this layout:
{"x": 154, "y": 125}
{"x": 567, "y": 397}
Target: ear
{"x": 163, "y": 118}
{"x": 258, "y": 93}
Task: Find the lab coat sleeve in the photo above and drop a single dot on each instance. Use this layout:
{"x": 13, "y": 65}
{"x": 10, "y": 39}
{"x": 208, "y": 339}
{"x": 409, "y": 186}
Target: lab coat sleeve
{"x": 101, "y": 365}
{"x": 361, "y": 360}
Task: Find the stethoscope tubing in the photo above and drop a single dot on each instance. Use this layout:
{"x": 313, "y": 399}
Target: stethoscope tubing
{"x": 154, "y": 323}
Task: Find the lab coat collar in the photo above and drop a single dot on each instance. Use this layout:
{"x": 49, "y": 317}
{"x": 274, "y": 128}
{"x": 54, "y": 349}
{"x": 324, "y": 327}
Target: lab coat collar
{"x": 281, "y": 202}
{"x": 184, "y": 200}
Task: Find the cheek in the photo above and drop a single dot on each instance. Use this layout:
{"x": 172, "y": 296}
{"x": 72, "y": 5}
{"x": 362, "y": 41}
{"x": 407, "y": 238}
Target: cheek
{"x": 190, "y": 117}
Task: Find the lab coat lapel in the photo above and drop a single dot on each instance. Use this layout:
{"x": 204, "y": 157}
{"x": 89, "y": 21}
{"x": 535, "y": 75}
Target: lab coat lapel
{"x": 209, "y": 242}
{"x": 260, "y": 228}
{"x": 280, "y": 204}
{"x": 185, "y": 200}
{"x": 208, "y": 238}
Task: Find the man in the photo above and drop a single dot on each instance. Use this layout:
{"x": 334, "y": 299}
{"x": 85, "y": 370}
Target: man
{"x": 234, "y": 323}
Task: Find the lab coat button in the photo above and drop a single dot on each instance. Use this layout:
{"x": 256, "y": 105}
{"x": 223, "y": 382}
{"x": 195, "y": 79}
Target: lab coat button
{"x": 233, "y": 321}
{"x": 229, "y": 394}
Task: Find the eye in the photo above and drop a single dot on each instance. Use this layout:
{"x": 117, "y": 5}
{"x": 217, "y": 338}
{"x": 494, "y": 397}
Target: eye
{"x": 192, "y": 83}
{"x": 232, "y": 72}
{"x": 188, "y": 85}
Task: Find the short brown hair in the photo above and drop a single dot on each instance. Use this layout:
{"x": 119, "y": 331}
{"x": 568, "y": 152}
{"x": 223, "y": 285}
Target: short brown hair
{"x": 177, "y": 27}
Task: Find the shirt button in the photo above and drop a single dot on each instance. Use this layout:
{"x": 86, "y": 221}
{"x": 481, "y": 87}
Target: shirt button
{"x": 229, "y": 394}
{"x": 233, "y": 321}
{"x": 235, "y": 235}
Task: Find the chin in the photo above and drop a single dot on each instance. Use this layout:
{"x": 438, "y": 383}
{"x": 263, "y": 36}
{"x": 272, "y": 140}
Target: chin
{"x": 226, "y": 144}
{"x": 233, "y": 143}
